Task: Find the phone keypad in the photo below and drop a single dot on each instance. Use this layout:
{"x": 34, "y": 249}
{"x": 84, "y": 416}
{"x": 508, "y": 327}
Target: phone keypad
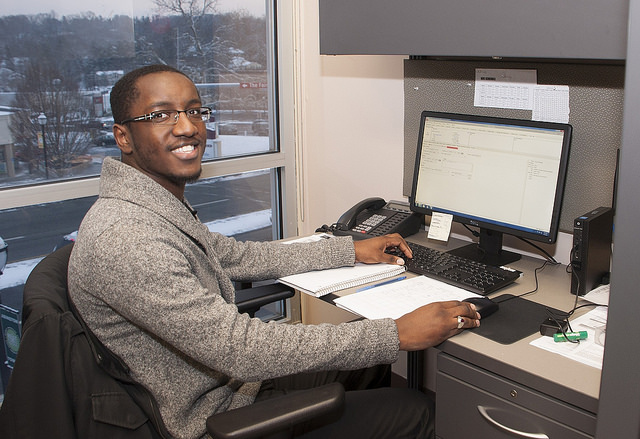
{"x": 376, "y": 221}
{"x": 369, "y": 223}
{"x": 393, "y": 221}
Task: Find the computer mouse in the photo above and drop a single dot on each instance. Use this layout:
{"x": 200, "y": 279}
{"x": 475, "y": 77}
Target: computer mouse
{"x": 484, "y": 306}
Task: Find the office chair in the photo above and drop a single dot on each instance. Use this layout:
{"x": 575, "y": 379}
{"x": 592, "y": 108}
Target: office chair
{"x": 65, "y": 384}
{"x": 250, "y": 298}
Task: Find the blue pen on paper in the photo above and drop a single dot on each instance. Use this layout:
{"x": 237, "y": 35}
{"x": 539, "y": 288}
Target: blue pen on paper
{"x": 368, "y": 287}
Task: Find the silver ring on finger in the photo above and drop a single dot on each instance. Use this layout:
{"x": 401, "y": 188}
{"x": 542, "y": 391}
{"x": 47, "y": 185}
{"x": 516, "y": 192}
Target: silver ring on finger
{"x": 460, "y": 322}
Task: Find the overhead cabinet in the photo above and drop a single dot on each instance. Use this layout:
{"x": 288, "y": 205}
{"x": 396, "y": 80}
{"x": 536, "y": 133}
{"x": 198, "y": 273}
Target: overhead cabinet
{"x": 537, "y": 29}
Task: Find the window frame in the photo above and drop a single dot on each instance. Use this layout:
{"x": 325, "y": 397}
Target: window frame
{"x": 281, "y": 162}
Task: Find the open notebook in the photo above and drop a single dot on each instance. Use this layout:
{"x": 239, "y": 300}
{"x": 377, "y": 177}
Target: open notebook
{"x": 322, "y": 282}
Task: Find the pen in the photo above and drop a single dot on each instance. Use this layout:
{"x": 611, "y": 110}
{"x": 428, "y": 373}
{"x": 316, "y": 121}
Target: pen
{"x": 381, "y": 283}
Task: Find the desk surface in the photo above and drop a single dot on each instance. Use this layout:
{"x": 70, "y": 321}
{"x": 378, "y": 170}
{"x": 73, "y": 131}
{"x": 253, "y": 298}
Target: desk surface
{"x": 544, "y": 371}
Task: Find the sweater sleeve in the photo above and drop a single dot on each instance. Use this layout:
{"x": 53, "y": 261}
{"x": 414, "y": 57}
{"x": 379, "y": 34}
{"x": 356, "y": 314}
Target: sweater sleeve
{"x": 269, "y": 260}
{"x": 162, "y": 290}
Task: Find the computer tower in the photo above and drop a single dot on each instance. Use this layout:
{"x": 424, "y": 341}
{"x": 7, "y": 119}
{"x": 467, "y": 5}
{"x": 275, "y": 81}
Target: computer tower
{"x": 591, "y": 254}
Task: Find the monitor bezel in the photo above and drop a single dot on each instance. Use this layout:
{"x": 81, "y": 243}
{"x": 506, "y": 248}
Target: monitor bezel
{"x": 485, "y": 224}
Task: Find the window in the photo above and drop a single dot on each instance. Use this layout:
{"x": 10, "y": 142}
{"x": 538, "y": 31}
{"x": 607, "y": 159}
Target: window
{"x": 56, "y": 70}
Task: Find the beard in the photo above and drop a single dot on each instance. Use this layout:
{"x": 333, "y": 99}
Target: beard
{"x": 186, "y": 179}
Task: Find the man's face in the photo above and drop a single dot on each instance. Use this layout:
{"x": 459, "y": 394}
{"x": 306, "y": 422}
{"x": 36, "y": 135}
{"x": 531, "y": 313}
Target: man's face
{"x": 170, "y": 154}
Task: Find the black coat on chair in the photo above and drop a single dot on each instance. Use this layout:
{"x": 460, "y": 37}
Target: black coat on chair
{"x": 59, "y": 387}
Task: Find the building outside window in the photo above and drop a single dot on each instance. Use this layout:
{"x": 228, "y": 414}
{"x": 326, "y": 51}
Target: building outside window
{"x": 57, "y": 66}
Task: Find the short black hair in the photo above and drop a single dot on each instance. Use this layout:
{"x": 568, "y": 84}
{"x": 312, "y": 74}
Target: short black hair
{"x": 124, "y": 92}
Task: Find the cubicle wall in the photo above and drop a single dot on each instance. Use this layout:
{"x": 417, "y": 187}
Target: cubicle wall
{"x": 595, "y": 101}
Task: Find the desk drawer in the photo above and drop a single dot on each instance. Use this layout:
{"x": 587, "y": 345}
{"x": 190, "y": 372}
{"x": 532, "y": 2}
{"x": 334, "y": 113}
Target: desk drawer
{"x": 469, "y": 399}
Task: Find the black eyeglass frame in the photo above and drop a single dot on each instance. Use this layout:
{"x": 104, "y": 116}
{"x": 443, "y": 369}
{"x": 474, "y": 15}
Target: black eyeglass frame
{"x": 204, "y": 113}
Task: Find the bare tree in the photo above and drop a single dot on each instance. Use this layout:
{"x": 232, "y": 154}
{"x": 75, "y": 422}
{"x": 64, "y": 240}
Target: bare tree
{"x": 199, "y": 45}
{"x": 44, "y": 90}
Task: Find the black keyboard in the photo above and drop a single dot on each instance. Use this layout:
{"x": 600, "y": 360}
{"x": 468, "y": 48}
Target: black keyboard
{"x": 461, "y": 272}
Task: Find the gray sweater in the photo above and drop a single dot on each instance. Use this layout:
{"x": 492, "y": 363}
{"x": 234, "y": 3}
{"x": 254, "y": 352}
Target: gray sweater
{"x": 155, "y": 285}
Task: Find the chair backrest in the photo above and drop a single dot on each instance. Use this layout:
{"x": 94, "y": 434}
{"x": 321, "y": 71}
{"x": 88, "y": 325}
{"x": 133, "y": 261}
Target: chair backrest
{"x": 65, "y": 383}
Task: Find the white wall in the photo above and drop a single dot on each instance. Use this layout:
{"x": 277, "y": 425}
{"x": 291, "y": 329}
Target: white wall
{"x": 351, "y": 141}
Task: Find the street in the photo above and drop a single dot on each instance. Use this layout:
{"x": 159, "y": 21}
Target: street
{"x": 34, "y": 231}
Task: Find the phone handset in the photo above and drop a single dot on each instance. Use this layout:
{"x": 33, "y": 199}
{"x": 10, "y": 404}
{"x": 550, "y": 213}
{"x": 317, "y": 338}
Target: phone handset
{"x": 348, "y": 219}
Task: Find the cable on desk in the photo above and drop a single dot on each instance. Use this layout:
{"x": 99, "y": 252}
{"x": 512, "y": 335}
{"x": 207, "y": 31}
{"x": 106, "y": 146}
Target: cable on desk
{"x": 535, "y": 276}
{"x": 571, "y": 268}
{"x": 565, "y": 317}
{"x": 561, "y": 326}
{"x": 556, "y": 317}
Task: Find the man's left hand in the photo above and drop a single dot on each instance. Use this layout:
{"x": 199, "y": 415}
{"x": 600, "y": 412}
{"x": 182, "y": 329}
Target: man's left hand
{"x": 372, "y": 250}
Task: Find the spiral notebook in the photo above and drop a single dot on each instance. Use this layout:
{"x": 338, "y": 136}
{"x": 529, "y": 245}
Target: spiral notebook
{"x": 322, "y": 282}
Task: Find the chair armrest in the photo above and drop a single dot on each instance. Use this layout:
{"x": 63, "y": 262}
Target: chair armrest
{"x": 249, "y": 300}
{"x": 280, "y": 414}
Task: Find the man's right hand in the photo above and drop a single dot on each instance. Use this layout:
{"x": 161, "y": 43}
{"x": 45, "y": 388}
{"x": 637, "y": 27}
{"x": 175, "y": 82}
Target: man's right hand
{"x": 432, "y": 324}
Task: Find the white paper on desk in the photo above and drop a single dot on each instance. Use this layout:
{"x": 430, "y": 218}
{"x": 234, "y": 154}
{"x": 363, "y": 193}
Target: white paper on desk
{"x": 599, "y": 295}
{"x": 587, "y": 351}
{"x": 505, "y": 88}
{"x": 399, "y": 298}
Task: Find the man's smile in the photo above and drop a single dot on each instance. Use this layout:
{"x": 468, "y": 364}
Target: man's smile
{"x": 186, "y": 151}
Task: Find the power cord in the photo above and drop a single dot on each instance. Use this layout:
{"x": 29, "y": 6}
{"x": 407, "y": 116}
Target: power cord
{"x": 572, "y": 268}
{"x": 561, "y": 320}
{"x": 535, "y": 277}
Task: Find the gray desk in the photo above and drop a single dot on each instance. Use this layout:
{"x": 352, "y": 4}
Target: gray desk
{"x": 516, "y": 385}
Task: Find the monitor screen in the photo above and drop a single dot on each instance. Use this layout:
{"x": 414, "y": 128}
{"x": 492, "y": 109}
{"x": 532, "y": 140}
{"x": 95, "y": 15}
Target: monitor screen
{"x": 501, "y": 175}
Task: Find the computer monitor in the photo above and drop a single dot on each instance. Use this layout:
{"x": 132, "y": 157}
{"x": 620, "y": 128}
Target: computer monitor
{"x": 501, "y": 175}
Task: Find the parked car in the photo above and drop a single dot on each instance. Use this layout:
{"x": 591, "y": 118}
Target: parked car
{"x": 105, "y": 139}
{"x": 106, "y": 123}
{"x": 67, "y": 239}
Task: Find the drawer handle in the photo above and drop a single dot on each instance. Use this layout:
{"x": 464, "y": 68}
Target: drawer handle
{"x": 492, "y": 421}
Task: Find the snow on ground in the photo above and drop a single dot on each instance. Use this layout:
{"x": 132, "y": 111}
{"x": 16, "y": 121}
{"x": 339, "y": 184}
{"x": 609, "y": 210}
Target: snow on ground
{"x": 16, "y": 273}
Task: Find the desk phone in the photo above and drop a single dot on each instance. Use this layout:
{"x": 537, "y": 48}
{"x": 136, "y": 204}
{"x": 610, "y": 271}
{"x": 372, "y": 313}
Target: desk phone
{"x": 375, "y": 217}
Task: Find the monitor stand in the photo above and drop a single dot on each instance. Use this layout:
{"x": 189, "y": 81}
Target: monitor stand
{"x": 487, "y": 250}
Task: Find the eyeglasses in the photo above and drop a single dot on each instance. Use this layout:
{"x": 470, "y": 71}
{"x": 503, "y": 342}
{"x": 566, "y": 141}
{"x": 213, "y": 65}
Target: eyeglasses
{"x": 170, "y": 117}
